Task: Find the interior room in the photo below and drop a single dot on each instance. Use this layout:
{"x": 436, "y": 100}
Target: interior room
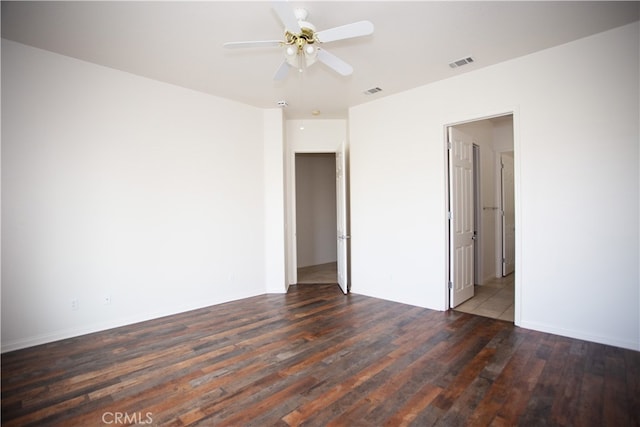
{"x": 151, "y": 155}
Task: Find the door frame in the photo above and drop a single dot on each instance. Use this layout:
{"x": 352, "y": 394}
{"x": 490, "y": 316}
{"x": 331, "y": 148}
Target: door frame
{"x": 291, "y": 273}
{"x": 518, "y": 285}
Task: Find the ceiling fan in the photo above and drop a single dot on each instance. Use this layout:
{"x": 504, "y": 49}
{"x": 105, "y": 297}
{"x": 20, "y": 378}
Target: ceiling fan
{"x": 302, "y": 42}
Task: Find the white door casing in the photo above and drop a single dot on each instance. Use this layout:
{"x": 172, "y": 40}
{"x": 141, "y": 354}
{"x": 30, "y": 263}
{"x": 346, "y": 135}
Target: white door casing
{"x": 461, "y": 226}
{"x": 341, "y": 208}
{"x": 508, "y": 214}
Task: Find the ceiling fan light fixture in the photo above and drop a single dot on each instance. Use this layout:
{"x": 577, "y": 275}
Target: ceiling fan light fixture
{"x": 291, "y": 56}
{"x": 310, "y": 50}
{"x": 310, "y": 54}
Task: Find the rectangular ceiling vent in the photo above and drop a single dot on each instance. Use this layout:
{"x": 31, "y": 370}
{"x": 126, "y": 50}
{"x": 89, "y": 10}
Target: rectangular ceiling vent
{"x": 461, "y": 62}
{"x": 372, "y": 91}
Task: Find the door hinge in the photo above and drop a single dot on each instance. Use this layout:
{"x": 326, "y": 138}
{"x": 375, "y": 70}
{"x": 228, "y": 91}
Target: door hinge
{"x": 448, "y": 145}
{"x": 449, "y": 215}
{"x": 450, "y": 284}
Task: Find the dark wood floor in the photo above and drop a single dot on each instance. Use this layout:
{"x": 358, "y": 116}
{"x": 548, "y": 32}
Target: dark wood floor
{"x": 317, "y": 357}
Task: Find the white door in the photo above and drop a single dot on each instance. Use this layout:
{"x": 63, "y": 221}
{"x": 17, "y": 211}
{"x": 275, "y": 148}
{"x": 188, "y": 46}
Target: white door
{"x": 508, "y": 215}
{"x": 461, "y": 223}
{"x": 341, "y": 207}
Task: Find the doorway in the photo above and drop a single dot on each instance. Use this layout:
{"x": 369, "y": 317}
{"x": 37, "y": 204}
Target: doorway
{"x": 481, "y": 218}
{"x": 340, "y": 233}
{"x": 316, "y": 222}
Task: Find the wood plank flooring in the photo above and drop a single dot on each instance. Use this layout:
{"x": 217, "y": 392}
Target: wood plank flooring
{"x": 319, "y": 358}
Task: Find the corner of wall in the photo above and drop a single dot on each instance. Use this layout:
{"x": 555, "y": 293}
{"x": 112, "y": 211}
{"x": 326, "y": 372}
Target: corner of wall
{"x": 274, "y": 237}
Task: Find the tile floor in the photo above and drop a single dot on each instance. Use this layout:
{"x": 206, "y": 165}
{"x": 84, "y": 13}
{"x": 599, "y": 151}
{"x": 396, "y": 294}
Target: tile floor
{"x": 494, "y": 299}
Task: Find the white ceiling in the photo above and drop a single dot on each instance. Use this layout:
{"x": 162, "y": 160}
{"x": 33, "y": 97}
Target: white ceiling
{"x": 413, "y": 42}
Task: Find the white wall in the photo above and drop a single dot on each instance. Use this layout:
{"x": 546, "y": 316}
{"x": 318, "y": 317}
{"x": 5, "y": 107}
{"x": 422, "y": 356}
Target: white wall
{"x": 318, "y": 136}
{"x": 316, "y": 208}
{"x": 115, "y": 185}
{"x": 577, "y": 186}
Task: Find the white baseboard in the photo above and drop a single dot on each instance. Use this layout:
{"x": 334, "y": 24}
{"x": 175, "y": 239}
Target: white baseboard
{"x": 103, "y": 326}
{"x": 580, "y": 335}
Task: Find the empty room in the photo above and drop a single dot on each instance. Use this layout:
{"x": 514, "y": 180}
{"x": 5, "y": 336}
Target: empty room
{"x": 159, "y": 176}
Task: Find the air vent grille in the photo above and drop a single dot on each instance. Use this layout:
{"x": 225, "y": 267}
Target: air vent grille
{"x": 372, "y": 91}
{"x": 461, "y": 62}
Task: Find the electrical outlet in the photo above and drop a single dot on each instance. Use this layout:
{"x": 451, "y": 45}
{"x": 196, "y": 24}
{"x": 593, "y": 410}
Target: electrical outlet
{"x": 75, "y": 304}
{"x": 106, "y": 300}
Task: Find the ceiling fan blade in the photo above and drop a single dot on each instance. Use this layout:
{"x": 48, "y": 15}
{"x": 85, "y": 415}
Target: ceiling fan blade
{"x": 282, "y": 71}
{"x": 334, "y": 62}
{"x": 357, "y": 29}
{"x": 260, "y": 43}
{"x": 287, "y": 16}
